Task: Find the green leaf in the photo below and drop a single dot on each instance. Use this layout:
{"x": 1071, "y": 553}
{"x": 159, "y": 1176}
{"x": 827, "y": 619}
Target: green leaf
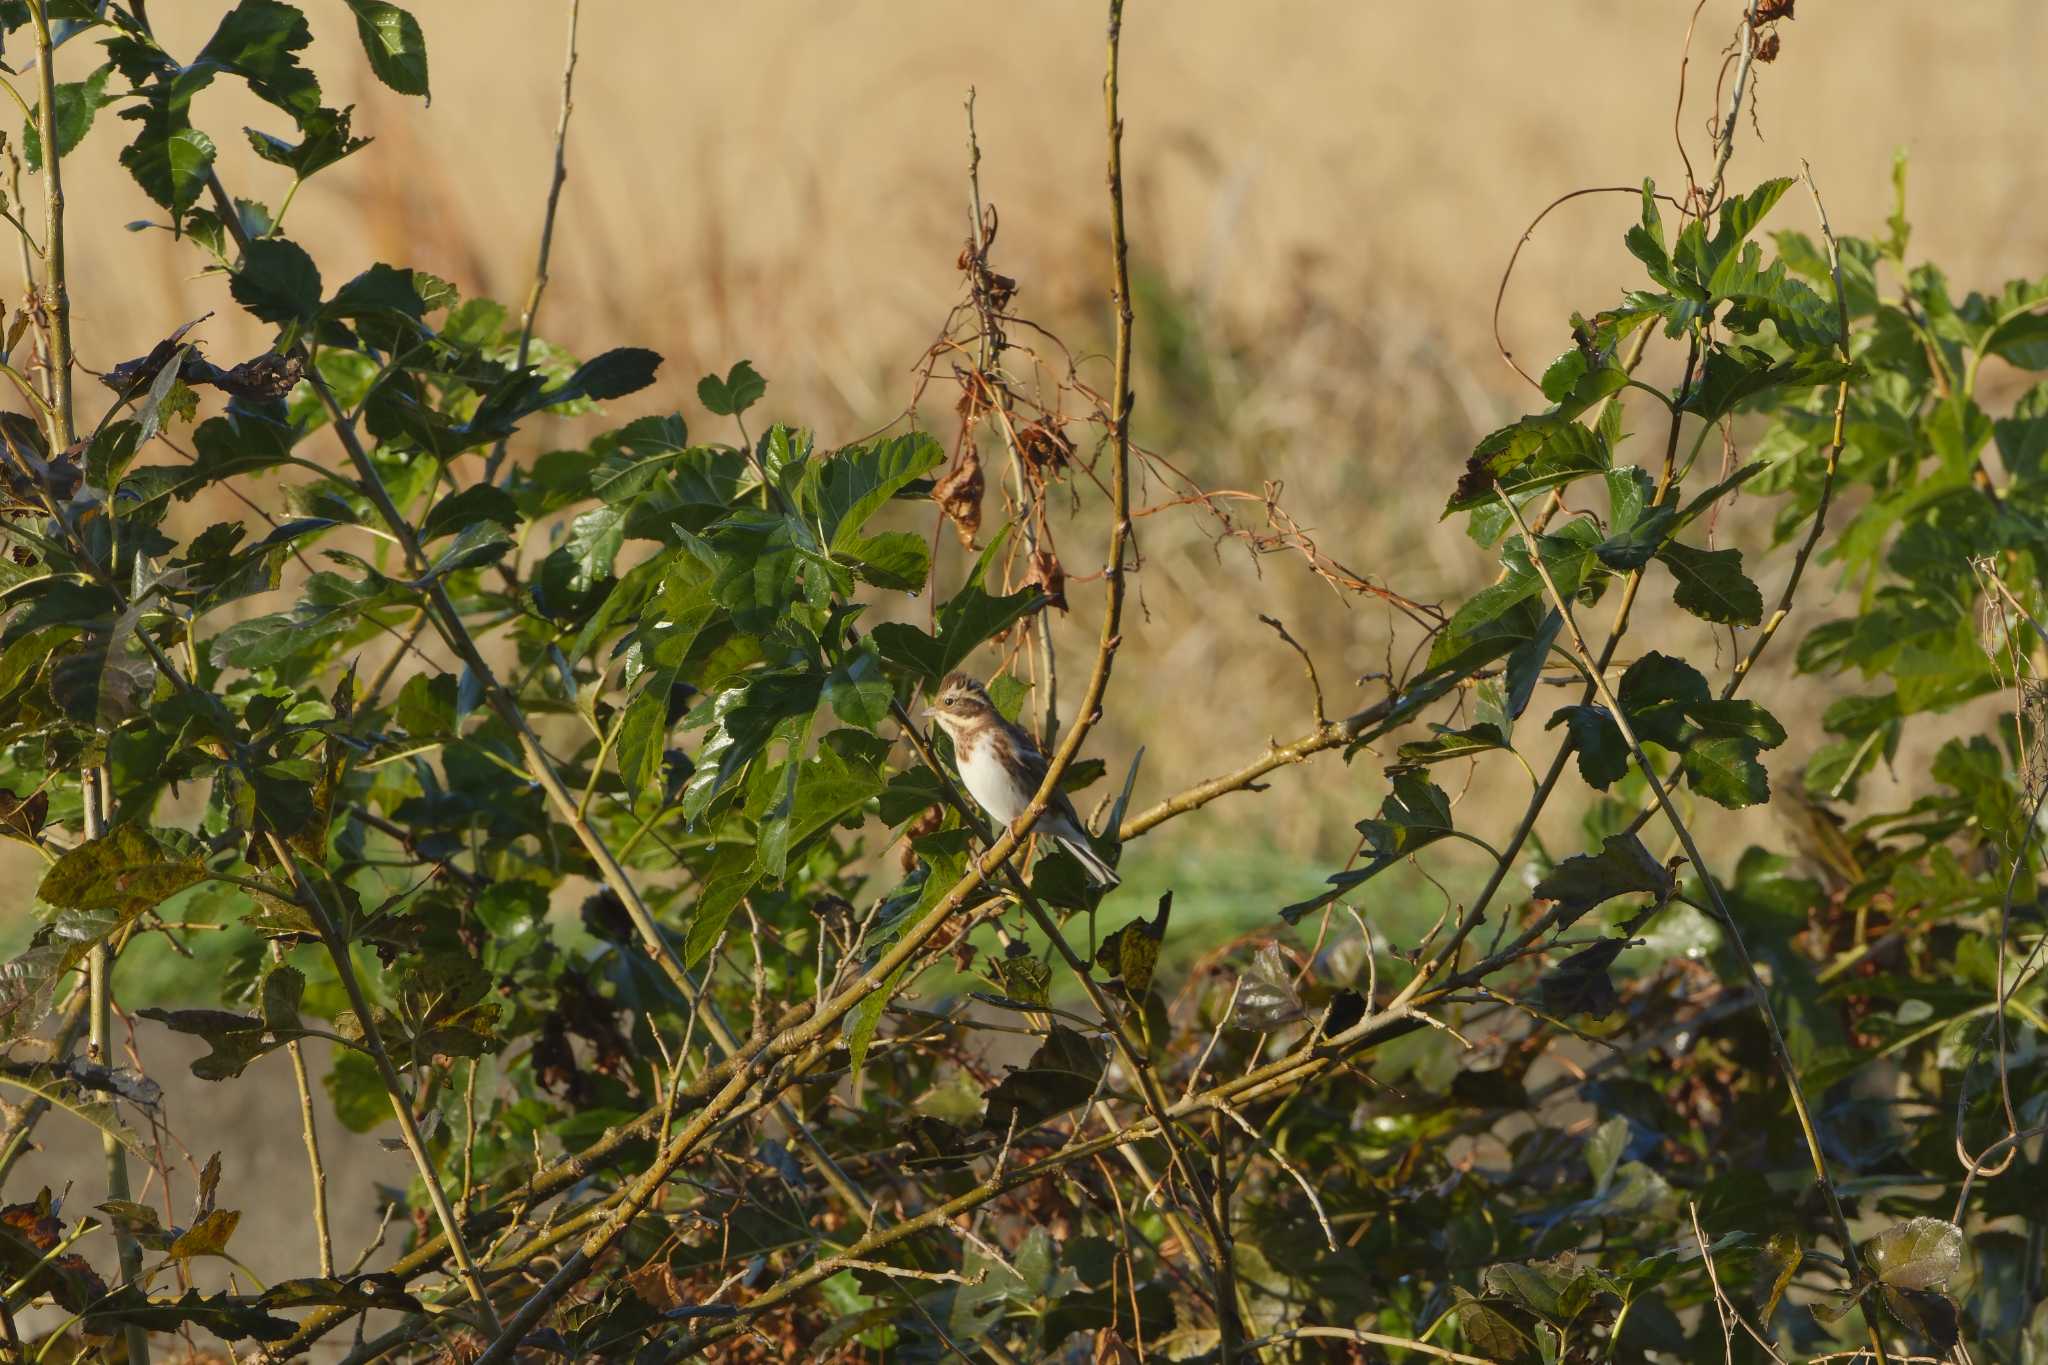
{"x": 360, "y": 1100}
{"x": 1450, "y": 744}
{"x": 858, "y": 693}
{"x": 225, "y": 1316}
{"x": 643, "y": 738}
{"x": 1602, "y": 751}
{"x": 1636, "y": 526}
{"x": 968, "y": 619}
{"x": 1726, "y": 771}
{"x": 1604, "y": 1149}
{"x": 278, "y": 282}
{"x": 473, "y": 505}
{"x": 236, "y": 1039}
{"x": 394, "y": 44}
{"x": 1712, "y": 586}
{"x": 1921, "y": 1253}
{"x": 128, "y": 871}
{"x": 380, "y": 289}
{"x": 1537, "y": 453}
{"x": 614, "y": 374}
{"x": 355, "y": 1292}
{"x": 75, "y": 104}
{"x": 1736, "y": 374}
{"x": 729, "y": 397}
{"x": 283, "y": 989}
{"x": 732, "y": 874}
{"x": 867, "y": 1017}
{"x": 844, "y": 490}
{"x": 1621, "y": 867}
{"x": 169, "y": 158}
{"x": 326, "y": 137}
{"x": 1024, "y": 977}
{"x": 898, "y": 560}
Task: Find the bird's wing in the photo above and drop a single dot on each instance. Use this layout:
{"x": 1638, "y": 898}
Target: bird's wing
{"x": 1032, "y": 765}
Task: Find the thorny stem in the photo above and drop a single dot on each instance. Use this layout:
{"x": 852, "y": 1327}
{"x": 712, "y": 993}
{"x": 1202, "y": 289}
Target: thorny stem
{"x": 1596, "y": 677}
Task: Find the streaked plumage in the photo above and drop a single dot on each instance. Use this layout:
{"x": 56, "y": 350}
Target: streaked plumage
{"x": 1001, "y": 768}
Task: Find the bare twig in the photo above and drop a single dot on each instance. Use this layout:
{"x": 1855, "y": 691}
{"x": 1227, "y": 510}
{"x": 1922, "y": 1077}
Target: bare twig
{"x": 547, "y": 227}
{"x": 318, "y": 1172}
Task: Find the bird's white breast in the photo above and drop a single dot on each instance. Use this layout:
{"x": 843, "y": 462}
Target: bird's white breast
{"x": 992, "y": 785}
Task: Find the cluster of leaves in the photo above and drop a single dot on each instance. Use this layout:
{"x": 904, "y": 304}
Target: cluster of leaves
{"x": 442, "y": 689}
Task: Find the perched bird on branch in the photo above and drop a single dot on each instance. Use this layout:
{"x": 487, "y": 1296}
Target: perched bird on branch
{"x": 1002, "y": 769}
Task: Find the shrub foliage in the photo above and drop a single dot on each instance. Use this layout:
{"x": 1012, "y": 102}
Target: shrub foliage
{"x": 825, "y": 1063}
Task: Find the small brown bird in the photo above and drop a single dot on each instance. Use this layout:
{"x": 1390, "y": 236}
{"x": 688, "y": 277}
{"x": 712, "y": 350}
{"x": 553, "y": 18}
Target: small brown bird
{"x": 1001, "y": 768}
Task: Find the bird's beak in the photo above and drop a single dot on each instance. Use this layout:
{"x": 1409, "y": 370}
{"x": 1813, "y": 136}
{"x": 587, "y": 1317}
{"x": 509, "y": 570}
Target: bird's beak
{"x": 930, "y": 713}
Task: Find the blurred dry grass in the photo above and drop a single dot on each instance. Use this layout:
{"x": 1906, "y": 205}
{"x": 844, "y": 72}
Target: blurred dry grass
{"x": 1322, "y": 198}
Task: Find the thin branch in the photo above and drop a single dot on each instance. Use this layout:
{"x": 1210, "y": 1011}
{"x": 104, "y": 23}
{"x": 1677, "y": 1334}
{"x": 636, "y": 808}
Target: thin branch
{"x": 316, "y": 1171}
{"x": 547, "y": 228}
{"x": 408, "y": 1128}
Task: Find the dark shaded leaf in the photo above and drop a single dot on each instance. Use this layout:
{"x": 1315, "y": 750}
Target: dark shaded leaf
{"x": 1621, "y": 867}
{"x": 1061, "y": 1075}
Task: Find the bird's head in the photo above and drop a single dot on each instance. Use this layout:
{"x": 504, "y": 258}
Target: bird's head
{"x": 961, "y": 704}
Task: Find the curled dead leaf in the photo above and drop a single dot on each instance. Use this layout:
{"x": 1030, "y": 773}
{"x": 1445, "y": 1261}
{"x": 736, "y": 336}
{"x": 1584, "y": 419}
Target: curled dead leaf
{"x": 1046, "y": 449}
{"x": 959, "y": 494}
{"x": 1048, "y": 577}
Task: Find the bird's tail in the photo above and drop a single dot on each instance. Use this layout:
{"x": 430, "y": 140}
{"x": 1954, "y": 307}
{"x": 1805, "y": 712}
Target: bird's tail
{"x": 1100, "y": 872}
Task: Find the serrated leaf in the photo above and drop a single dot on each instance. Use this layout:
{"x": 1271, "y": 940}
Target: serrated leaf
{"x": 278, "y": 282}
{"x": 1621, "y": 867}
{"x": 207, "y": 1237}
{"x": 1921, "y": 1253}
{"x": 394, "y": 44}
{"x": 1602, "y": 750}
{"x": 128, "y": 871}
{"x": 1712, "y": 586}
{"x": 1416, "y": 813}
{"x": 75, "y": 104}
{"x": 1726, "y": 771}
{"x": 1492, "y": 1335}
{"x": 739, "y": 390}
